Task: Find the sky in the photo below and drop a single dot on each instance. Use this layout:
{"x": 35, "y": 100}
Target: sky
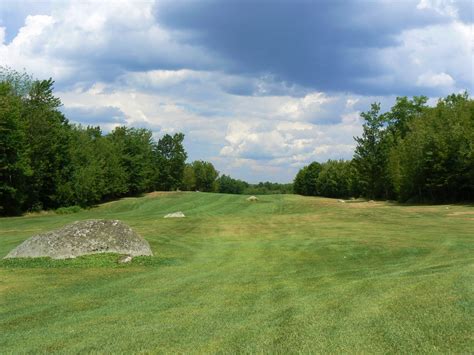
{"x": 259, "y": 88}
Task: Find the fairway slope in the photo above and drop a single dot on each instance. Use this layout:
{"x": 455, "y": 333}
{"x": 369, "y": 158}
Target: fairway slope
{"x": 283, "y": 274}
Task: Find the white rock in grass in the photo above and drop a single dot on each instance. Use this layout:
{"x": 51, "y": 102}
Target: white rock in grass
{"x": 342, "y": 201}
{"x": 252, "y": 199}
{"x": 175, "y": 215}
{"x": 125, "y": 259}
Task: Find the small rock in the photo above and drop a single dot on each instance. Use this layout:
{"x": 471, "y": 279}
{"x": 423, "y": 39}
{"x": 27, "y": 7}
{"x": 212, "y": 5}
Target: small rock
{"x": 252, "y": 199}
{"x": 175, "y": 215}
{"x": 124, "y": 259}
{"x": 342, "y": 201}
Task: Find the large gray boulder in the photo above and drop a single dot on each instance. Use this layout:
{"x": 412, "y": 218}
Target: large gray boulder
{"x": 81, "y": 238}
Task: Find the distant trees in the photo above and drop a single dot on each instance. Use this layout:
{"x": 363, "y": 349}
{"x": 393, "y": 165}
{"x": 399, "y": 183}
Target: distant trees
{"x": 189, "y": 178}
{"x": 267, "y": 188}
{"x": 228, "y": 185}
{"x": 200, "y": 175}
{"x": 205, "y": 176}
{"x": 337, "y": 179}
{"x": 46, "y": 162}
{"x": 411, "y": 153}
{"x": 334, "y": 178}
{"x": 305, "y": 180}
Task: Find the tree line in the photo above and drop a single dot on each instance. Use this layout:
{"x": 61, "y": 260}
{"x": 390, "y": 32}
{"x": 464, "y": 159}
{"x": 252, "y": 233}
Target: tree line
{"x": 413, "y": 153}
{"x": 46, "y": 162}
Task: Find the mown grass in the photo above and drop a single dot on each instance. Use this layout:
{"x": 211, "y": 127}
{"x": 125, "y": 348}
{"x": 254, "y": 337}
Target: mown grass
{"x": 285, "y": 274}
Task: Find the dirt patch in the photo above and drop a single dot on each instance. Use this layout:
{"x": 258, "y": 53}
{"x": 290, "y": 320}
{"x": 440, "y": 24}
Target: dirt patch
{"x": 464, "y": 213}
{"x": 159, "y": 193}
{"x": 421, "y": 209}
{"x": 367, "y": 204}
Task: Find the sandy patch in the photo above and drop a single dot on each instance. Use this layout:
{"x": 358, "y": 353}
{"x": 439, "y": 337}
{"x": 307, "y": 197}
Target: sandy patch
{"x": 464, "y": 213}
{"x": 368, "y": 204}
{"x": 159, "y": 193}
{"x": 422, "y": 209}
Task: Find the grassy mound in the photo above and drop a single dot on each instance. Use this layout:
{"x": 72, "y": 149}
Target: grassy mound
{"x": 286, "y": 274}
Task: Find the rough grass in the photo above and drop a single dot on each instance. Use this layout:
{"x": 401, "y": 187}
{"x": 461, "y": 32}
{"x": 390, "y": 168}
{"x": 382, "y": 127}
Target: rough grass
{"x": 285, "y": 274}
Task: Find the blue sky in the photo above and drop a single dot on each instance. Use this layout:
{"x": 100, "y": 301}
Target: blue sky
{"x": 260, "y": 88}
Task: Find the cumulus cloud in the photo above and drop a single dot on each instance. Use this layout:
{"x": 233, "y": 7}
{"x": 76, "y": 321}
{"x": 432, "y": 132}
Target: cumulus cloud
{"x": 259, "y": 88}
{"x": 282, "y": 142}
{"x": 435, "y": 80}
{"x": 87, "y": 40}
{"x": 443, "y": 7}
{"x": 328, "y": 46}
{"x": 437, "y": 57}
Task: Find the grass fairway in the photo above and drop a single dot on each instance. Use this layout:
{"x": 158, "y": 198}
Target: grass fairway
{"x": 285, "y": 274}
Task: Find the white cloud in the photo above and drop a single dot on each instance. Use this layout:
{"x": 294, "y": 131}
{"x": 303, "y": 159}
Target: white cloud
{"x": 435, "y": 80}
{"x": 162, "y": 78}
{"x": 115, "y": 55}
{"x": 246, "y": 132}
{"x": 439, "y": 56}
{"x": 82, "y": 40}
{"x": 297, "y": 108}
{"x": 443, "y": 7}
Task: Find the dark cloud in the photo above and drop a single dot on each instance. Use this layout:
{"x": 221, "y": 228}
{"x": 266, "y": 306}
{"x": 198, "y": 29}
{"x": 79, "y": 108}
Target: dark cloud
{"x": 325, "y": 45}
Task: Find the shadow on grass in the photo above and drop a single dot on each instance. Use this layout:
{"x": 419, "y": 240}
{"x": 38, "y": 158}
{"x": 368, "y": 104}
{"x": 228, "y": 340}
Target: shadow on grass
{"x": 87, "y": 261}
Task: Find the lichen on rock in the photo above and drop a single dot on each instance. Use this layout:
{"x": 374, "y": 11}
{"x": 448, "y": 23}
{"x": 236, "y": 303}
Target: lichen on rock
{"x": 82, "y": 238}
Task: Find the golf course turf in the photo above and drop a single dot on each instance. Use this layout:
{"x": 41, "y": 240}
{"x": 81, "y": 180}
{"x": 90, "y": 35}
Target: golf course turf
{"x": 284, "y": 274}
